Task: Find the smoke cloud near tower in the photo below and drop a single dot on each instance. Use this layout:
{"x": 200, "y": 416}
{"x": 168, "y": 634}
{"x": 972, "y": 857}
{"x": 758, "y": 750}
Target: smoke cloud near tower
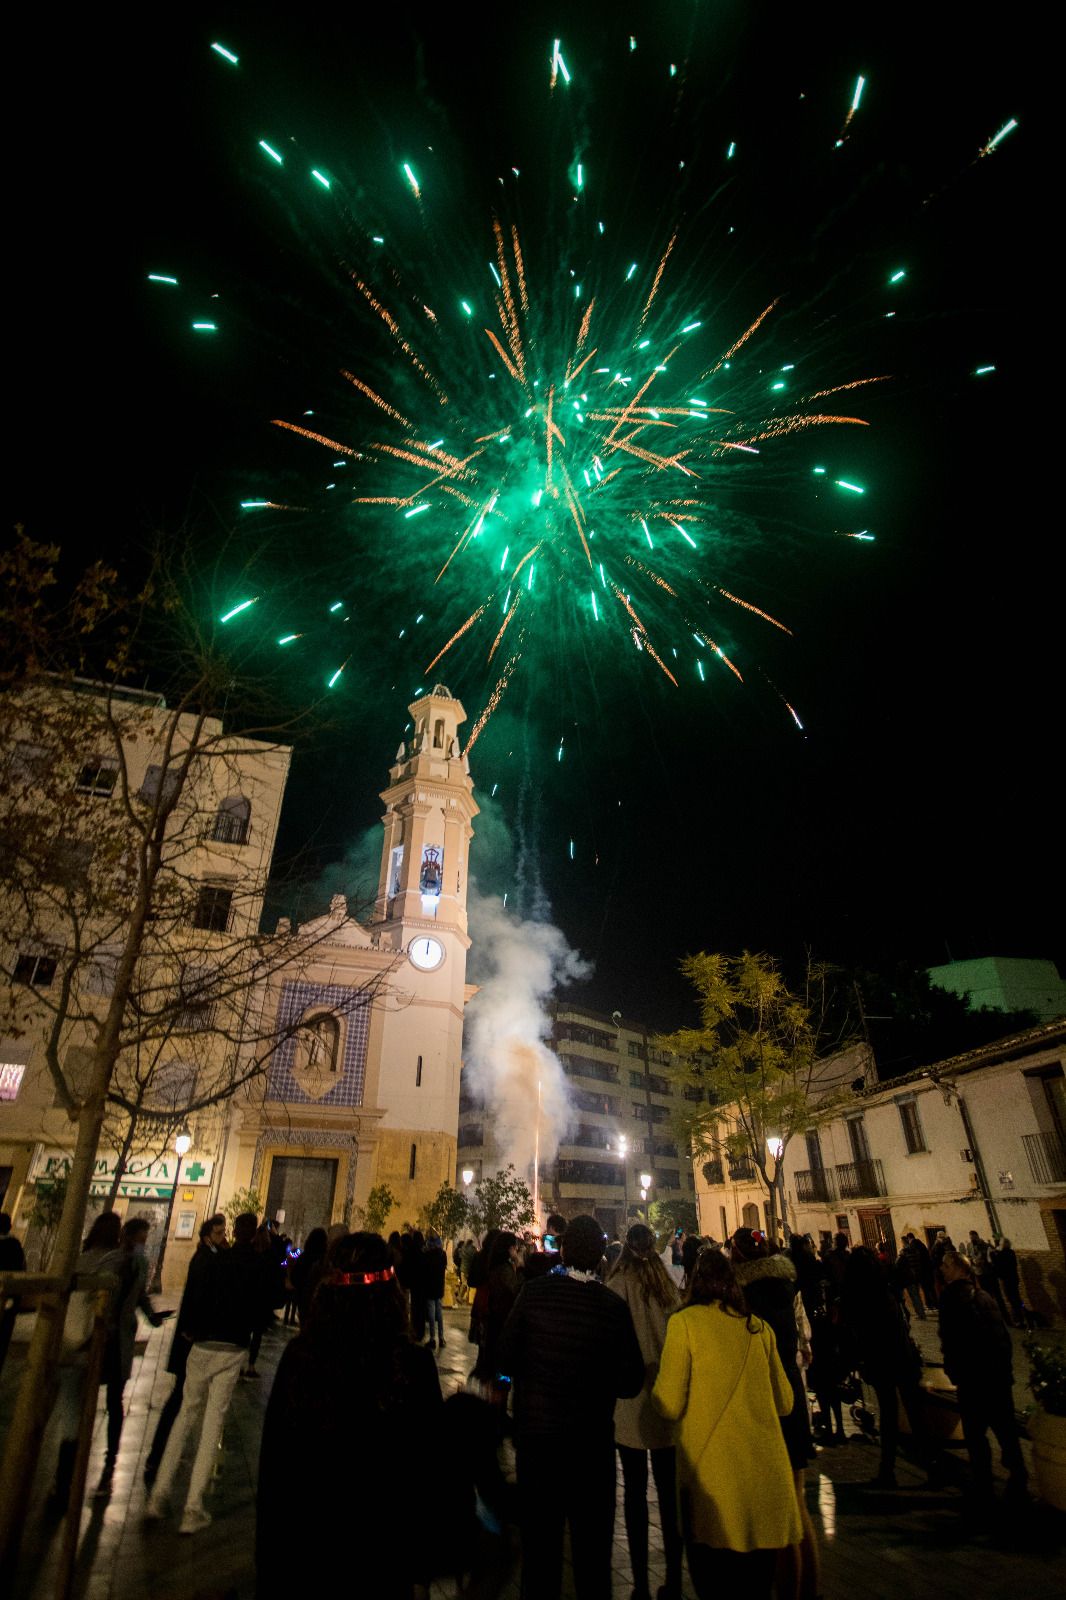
{"x": 518, "y": 965}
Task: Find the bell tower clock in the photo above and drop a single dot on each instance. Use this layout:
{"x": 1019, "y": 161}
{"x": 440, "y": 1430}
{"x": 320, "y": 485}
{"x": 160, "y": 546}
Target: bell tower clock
{"x": 420, "y": 912}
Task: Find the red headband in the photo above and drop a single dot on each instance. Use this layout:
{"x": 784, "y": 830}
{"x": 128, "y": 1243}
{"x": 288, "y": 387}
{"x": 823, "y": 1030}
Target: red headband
{"x": 348, "y": 1280}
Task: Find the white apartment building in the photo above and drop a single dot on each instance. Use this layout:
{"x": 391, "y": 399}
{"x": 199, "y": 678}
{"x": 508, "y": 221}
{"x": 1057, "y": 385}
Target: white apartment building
{"x": 977, "y": 1141}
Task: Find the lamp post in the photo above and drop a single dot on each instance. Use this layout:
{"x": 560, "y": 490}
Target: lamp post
{"x": 182, "y": 1146}
{"x": 645, "y": 1185}
{"x": 776, "y": 1147}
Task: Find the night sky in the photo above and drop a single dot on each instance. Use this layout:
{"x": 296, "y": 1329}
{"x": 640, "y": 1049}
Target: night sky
{"x": 916, "y": 817}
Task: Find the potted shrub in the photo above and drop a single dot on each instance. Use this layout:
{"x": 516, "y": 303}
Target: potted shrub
{"x": 1047, "y": 1424}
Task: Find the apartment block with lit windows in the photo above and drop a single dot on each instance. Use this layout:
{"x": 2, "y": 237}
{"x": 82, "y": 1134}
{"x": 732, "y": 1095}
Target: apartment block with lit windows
{"x": 620, "y": 1129}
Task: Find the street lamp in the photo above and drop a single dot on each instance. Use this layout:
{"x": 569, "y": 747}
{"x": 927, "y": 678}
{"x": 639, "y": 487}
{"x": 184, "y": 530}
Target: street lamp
{"x": 182, "y": 1146}
{"x": 468, "y": 1176}
{"x": 645, "y": 1185}
{"x": 776, "y": 1146}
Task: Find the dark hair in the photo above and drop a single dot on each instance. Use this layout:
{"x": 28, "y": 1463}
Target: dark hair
{"x": 206, "y": 1229}
{"x": 132, "y": 1227}
{"x": 714, "y": 1283}
{"x": 582, "y": 1244}
{"x": 316, "y": 1245}
{"x": 501, "y": 1250}
{"x": 104, "y": 1233}
{"x": 749, "y": 1244}
{"x": 5, "y": 1222}
{"x": 689, "y": 1251}
{"x": 245, "y": 1227}
{"x": 640, "y": 1261}
{"x": 556, "y": 1225}
{"x": 840, "y": 1241}
{"x": 358, "y": 1329}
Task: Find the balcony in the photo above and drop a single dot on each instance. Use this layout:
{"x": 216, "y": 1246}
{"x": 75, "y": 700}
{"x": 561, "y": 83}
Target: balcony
{"x": 1046, "y": 1153}
{"x": 228, "y": 828}
{"x": 860, "y": 1180}
{"x": 741, "y": 1169}
{"x": 815, "y": 1186}
{"x": 712, "y": 1172}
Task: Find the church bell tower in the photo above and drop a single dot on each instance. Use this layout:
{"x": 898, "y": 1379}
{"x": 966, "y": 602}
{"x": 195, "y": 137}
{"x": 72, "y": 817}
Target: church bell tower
{"x": 420, "y": 912}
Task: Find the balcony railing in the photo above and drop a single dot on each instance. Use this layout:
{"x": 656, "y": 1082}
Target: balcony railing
{"x": 228, "y": 829}
{"x": 712, "y": 1172}
{"x": 815, "y": 1185}
{"x": 741, "y": 1169}
{"x": 860, "y": 1180}
{"x": 1046, "y": 1153}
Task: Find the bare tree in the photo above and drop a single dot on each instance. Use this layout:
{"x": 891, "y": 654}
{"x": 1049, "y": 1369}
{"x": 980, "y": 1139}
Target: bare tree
{"x": 135, "y": 841}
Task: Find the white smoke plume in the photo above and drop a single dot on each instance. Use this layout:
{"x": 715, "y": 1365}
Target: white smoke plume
{"x": 519, "y": 965}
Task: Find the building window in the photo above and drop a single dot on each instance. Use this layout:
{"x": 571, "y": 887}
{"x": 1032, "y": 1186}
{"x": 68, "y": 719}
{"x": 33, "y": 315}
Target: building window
{"x": 580, "y": 1033}
{"x": 231, "y": 820}
{"x": 212, "y": 909}
{"x": 98, "y": 777}
{"x": 650, "y": 1113}
{"x": 27, "y": 762}
{"x": 101, "y": 972}
{"x": 38, "y": 970}
{"x": 418, "y": 1074}
{"x": 395, "y": 869}
{"x": 156, "y": 781}
{"x": 634, "y": 1047}
{"x": 10, "y": 1079}
{"x": 414, "y": 1160}
{"x": 860, "y": 1149}
{"x": 912, "y": 1127}
{"x": 636, "y": 1080}
{"x": 438, "y": 734}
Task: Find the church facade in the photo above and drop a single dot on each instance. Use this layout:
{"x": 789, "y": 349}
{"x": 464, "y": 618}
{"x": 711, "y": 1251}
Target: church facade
{"x": 365, "y": 1092}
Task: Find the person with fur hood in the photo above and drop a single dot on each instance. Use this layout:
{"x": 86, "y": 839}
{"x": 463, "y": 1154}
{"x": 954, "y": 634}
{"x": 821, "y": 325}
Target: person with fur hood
{"x": 771, "y": 1289}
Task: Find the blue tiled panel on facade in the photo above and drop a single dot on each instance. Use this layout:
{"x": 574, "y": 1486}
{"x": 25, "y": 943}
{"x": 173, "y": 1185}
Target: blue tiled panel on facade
{"x": 353, "y": 1013}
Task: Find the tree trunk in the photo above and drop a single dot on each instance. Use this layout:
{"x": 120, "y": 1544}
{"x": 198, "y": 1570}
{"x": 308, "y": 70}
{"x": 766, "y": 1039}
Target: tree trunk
{"x": 37, "y": 1391}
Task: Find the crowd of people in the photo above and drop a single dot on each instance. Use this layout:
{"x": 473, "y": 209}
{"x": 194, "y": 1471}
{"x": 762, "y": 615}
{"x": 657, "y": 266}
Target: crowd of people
{"x": 693, "y": 1361}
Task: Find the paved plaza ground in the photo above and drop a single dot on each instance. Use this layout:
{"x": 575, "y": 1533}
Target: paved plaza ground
{"x": 912, "y": 1541}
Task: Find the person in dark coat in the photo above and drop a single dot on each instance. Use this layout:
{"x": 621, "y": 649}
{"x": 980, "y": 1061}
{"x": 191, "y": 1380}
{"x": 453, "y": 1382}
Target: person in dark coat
{"x": 978, "y": 1358}
{"x": 432, "y": 1267}
{"x": 212, "y": 1240}
{"x": 826, "y": 1371}
{"x": 12, "y": 1259}
{"x": 352, "y": 1389}
{"x": 410, "y": 1272}
{"x": 118, "y": 1353}
{"x": 920, "y": 1264}
{"x": 501, "y": 1288}
{"x": 771, "y": 1290}
{"x": 307, "y": 1269}
{"x": 1005, "y": 1267}
{"x": 571, "y": 1351}
{"x": 887, "y": 1358}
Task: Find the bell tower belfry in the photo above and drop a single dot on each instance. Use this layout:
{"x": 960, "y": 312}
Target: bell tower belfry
{"x": 420, "y": 913}
{"x": 429, "y": 807}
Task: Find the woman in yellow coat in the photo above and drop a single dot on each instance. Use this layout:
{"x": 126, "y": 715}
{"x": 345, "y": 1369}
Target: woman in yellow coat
{"x": 721, "y": 1381}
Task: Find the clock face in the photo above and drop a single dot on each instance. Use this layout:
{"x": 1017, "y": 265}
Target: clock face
{"x": 426, "y": 953}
